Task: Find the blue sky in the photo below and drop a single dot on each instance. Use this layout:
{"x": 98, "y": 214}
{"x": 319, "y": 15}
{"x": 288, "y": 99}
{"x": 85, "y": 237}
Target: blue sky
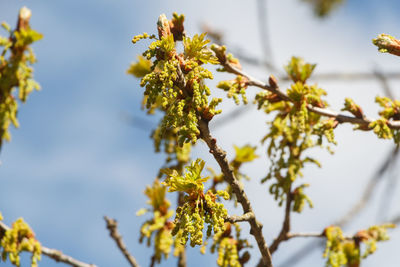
{"x": 75, "y": 158}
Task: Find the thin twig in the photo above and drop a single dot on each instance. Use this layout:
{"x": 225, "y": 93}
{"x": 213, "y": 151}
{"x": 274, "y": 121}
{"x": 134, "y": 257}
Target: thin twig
{"x": 153, "y": 261}
{"x": 283, "y": 235}
{"x": 60, "y": 257}
{"x": 264, "y": 34}
{"x": 54, "y": 254}
{"x": 220, "y": 156}
{"x": 243, "y": 218}
{"x": 112, "y": 227}
{"x": 182, "y": 261}
{"x": 316, "y": 234}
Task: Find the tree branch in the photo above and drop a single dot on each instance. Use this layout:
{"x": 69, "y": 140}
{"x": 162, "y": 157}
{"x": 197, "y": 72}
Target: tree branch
{"x": 58, "y": 256}
{"x": 182, "y": 262}
{"x": 220, "y": 156}
{"x": 300, "y": 234}
{"x": 283, "y": 235}
{"x": 244, "y": 218}
{"x": 112, "y": 227}
{"x": 273, "y": 88}
{"x": 54, "y": 254}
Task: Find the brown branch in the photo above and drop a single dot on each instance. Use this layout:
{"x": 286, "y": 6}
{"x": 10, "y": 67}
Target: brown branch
{"x": 220, "y": 156}
{"x": 306, "y": 249}
{"x": 58, "y": 256}
{"x": 244, "y": 218}
{"x": 273, "y": 88}
{"x": 112, "y": 227}
{"x": 300, "y": 234}
{"x": 54, "y": 254}
{"x": 182, "y": 261}
{"x": 283, "y": 235}
{"x": 153, "y": 261}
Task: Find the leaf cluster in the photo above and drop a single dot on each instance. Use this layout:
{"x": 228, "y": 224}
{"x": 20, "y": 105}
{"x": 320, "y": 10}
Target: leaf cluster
{"x": 16, "y": 73}
{"x": 176, "y": 81}
{"x": 160, "y": 224}
{"x": 199, "y": 208}
{"x": 17, "y": 239}
{"x": 342, "y": 251}
{"x": 175, "y": 84}
{"x": 387, "y": 44}
{"x": 229, "y": 247}
{"x": 235, "y": 88}
{"x": 391, "y": 111}
{"x": 322, "y": 8}
{"x": 293, "y": 131}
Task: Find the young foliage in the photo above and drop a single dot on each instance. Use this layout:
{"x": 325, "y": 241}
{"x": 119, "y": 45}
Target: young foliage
{"x": 293, "y": 131}
{"x": 387, "y": 44}
{"x": 176, "y": 82}
{"x": 235, "y": 88}
{"x": 175, "y": 85}
{"x": 16, "y": 73}
{"x": 298, "y": 70}
{"x": 322, "y": 8}
{"x": 160, "y": 225}
{"x": 345, "y": 251}
{"x": 199, "y": 207}
{"x": 17, "y": 239}
{"x": 140, "y": 68}
{"x": 353, "y": 108}
{"x": 229, "y": 247}
{"x": 391, "y": 111}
